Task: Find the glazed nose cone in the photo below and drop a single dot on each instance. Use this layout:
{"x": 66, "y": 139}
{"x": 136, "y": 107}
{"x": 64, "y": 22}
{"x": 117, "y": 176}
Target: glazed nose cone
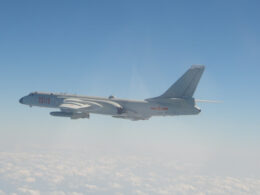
{"x": 21, "y": 100}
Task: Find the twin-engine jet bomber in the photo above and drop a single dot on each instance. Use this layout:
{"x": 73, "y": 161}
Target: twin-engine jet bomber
{"x": 177, "y": 100}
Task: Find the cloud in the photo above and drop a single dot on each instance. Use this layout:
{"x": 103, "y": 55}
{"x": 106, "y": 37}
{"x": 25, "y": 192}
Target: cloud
{"x": 30, "y": 179}
{"x": 61, "y": 173}
{"x": 26, "y": 190}
{"x": 2, "y": 192}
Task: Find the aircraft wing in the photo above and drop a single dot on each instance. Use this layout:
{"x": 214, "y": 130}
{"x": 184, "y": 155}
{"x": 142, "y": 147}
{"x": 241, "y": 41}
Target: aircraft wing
{"x": 75, "y": 105}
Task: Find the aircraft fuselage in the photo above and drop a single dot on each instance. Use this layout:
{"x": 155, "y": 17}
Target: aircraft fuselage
{"x": 138, "y": 108}
{"x": 177, "y": 100}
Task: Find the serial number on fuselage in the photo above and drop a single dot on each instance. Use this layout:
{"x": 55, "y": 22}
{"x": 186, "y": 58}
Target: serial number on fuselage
{"x": 159, "y": 108}
{"x": 44, "y": 100}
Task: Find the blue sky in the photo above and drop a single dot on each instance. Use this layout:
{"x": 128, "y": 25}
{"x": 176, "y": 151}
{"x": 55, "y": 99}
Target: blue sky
{"x": 135, "y": 50}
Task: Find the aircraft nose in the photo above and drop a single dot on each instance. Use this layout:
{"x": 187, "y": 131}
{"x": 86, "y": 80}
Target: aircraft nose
{"x": 21, "y": 100}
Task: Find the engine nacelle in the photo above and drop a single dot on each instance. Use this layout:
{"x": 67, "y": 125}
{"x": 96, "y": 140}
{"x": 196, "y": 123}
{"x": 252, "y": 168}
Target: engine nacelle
{"x": 120, "y": 110}
{"x": 70, "y": 114}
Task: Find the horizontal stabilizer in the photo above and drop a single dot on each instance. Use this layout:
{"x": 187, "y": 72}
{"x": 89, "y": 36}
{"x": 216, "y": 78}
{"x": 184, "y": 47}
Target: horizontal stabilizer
{"x": 207, "y": 101}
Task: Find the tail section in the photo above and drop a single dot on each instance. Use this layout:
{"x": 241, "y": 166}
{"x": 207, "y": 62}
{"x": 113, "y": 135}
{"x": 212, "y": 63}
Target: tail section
{"x": 186, "y": 85}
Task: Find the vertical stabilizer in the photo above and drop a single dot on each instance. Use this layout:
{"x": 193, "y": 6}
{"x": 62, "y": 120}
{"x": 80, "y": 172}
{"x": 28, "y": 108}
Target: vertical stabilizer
{"x": 186, "y": 85}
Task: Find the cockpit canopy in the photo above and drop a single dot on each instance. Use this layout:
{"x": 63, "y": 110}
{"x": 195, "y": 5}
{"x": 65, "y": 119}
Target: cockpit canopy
{"x": 32, "y": 94}
{"x": 41, "y": 93}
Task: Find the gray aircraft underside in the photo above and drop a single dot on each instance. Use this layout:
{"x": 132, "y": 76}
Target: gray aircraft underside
{"x": 177, "y": 100}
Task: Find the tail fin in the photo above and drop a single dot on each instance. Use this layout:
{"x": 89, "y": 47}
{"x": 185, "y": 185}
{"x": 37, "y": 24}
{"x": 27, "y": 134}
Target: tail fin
{"x": 186, "y": 85}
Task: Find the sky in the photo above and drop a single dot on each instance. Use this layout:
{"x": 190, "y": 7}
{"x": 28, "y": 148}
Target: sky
{"x": 134, "y": 50}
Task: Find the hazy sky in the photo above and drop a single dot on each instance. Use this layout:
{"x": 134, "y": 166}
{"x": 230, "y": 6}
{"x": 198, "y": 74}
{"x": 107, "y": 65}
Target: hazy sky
{"x": 135, "y": 50}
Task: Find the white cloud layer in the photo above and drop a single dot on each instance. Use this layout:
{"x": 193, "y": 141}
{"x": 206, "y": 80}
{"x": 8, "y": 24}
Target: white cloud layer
{"x": 60, "y": 173}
